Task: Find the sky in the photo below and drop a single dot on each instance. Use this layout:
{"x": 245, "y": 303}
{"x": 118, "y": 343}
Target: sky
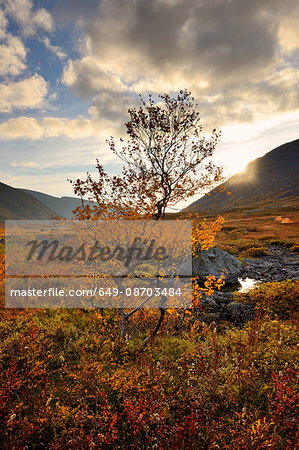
{"x": 70, "y": 70}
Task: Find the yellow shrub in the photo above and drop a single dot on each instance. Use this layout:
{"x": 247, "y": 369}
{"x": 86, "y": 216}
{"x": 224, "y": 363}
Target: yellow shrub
{"x": 278, "y": 298}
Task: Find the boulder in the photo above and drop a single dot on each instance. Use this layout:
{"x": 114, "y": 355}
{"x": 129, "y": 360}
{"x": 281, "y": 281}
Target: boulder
{"x": 240, "y": 313}
{"x": 215, "y": 261}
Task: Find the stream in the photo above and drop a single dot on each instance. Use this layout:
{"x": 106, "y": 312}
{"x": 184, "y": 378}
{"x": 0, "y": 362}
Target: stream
{"x": 281, "y": 264}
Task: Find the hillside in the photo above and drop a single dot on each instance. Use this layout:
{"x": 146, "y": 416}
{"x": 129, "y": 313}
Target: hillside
{"x": 64, "y": 206}
{"x": 274, "y": 176}
{"x": 16, "y": 205}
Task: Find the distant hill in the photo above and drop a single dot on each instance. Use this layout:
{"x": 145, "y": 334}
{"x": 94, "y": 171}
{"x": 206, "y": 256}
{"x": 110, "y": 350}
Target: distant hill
{"x": 16, "y": 205}
{"x": 64, "y": 206}
{"x": 274, "y": 176}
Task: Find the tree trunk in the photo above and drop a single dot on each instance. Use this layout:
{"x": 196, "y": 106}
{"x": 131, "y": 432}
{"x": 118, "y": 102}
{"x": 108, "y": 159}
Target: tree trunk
{"x": 155, "y": 331}
{"x": 122, "y": 324}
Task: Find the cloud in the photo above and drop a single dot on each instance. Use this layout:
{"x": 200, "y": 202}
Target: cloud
{"x": 3, "y": 25}
{"x": 236, "y": 56}
{"x": 53, "y": 48}
{"x": 12, "y": 56}
{"x": 288, "y": 32}
{"x": 21, "y": 127}
{"x": 29, "y": 19}
{"x": 25, "y": 164}
{"x": 88, "y": 78}
{"x": 173, "y": 41}
{"x": 53, "y": 127}
{"x": 12, "y": 51}
{"x": 75, "y": 10}
{"x": 230, "y": 54}
{"x": 28, "y": 93}
{"x": 110, "y": 96}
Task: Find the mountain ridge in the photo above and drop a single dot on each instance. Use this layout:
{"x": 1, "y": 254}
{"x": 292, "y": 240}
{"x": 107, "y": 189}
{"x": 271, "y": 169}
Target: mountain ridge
{"x": 64, "y": 206}
{"x": 272, "y": 176}
{"x": 18, "y": 205}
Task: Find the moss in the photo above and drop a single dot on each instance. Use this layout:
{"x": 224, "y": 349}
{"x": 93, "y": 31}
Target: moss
{"x": 255, "y": 252}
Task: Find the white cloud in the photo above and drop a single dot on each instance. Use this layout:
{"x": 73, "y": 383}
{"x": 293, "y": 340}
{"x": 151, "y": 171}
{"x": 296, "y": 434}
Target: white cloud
{"x": 28, "y": 93}
{"x": 12, "y": 56}
{"x": 12, "y": 51}
{"x": 232, "y": 55}
{"x": 21, "y": 127}
{"x": 25, "y": 164}
{"x": 52, "y": 127}
{"x": 53, "y": 48}
{"x": 89, "y": 78}
{"x": 78, "y": 128}
{"x": 29, "y": 19}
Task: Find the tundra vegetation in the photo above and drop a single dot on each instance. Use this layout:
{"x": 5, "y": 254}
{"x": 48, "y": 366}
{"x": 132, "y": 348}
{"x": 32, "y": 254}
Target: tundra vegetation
{"x": 69, "y": 379}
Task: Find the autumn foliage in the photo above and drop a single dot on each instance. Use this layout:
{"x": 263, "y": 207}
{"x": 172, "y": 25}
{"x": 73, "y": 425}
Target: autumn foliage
{"x": 165, "y": 159}
{"x": 69, "y": 380}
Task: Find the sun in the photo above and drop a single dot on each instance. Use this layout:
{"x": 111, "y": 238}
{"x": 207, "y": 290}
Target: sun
{"x": 243, "y": 169}
{"x": 238, "y": 167}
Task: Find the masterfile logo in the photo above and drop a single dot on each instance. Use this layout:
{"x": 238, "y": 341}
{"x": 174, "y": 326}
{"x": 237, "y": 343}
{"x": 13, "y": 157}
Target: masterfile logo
{"x": 98, "y": 263}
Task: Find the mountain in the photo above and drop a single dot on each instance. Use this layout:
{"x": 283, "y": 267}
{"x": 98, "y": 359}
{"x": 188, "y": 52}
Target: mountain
{"x": 64, "y": 206}
{"x": 273, "y": 177}
{"x": 16, "y": 205}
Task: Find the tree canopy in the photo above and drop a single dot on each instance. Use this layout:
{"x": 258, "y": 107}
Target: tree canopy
{"x": 165, "y": 160}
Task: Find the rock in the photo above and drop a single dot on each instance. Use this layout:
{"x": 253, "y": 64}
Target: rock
{"x": 249, "y": 261}
{"x": 215, "y": 261}
{"x": 2, "y": 241}
{"x": 239, "y": 313}
{"x": 208, "y": 301}
{"x": 280, "y": 265}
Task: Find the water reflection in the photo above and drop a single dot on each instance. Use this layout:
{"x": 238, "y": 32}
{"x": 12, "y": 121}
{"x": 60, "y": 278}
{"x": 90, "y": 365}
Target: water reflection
{"x": 247, "y": 284}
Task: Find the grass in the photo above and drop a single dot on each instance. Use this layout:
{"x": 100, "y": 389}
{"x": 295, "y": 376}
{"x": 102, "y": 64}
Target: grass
{"x": 255, "y": 252}
{"x": 277, "y": 299}
{"x": 244, "y": 231}
{"x": 68, "y": 382}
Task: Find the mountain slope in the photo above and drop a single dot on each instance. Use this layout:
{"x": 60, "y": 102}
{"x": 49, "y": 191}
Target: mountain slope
{"x": 16, "y": 205}
{"x": 274, "y": 176}
{"x": 64, "y": 206}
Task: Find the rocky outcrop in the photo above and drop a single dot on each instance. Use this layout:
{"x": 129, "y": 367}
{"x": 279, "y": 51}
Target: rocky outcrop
{"x": 215, "y": 261}
{"x": 279, "y": 265}
{"x": 219, "y": 307}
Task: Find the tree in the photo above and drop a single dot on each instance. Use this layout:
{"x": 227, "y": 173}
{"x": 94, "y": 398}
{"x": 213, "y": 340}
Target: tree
{"x": 165, "y": 160}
